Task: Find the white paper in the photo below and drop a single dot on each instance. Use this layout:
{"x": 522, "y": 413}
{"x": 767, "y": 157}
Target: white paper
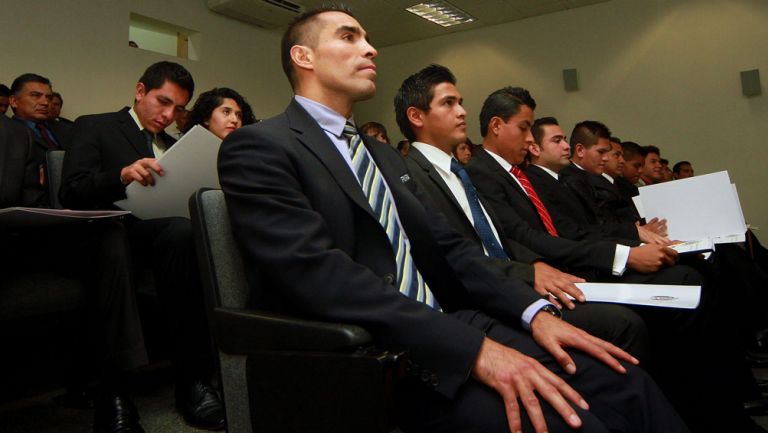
{"x": 655, "y": 295}
{"x": 696, "y": 246}
{"x": 695, "y": 208}
{"x": 19, "y": 217}
{"x": 190, "y": 164}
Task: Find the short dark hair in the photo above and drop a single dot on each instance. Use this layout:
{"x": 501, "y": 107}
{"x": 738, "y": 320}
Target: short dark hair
{"x": 679, "y": 166}
{"x": 664, "y": 161}
{"x": 615, "y": 139}
{"x": 210, "y": 100}
{"x": 504, "y": 103}
{"x": 4, "y": 90}
{"x": 157, "y": 74}
{"x": 538, "y": 127}
{"x": 23, "y": 79}
{"x": 375, "y": 127}
{"x": 297, "y": 34}
{"x": 631, "y": 150}
{"x": 651, "y": 149}
{"x": 418, "y": 91}
{"x": 588, "y": 133}
{"x": 57, "y": 95}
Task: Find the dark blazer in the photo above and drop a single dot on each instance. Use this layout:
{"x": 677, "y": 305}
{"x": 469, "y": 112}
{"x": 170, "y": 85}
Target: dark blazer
{"x": 503, "y": 193}
{"x": 579, "y": 183}
{"x": 20, "y": 167}
{"x": 432, "y": 185}
{"x": 102, "y": 144}
{"x": 611, "y": 203}
{"x": 561, "y": 201}
{"x": 301, "y": 218}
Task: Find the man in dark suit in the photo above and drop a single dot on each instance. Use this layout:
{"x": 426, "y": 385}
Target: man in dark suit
{"x": 549, "y": 155}
{"x": 30, "y": 100}
{"x": 679, "y": 338}
{"x": 110, "y": 151}
{"x": 438, "y": 175}
{"x": 310, "y": 199}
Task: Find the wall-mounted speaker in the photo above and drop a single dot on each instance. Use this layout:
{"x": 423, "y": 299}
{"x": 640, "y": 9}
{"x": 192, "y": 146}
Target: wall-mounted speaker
{"x": 570, "y": 80}
{"x": 750, "y": 82}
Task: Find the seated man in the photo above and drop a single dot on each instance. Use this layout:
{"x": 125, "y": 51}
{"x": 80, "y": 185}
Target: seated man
{"x": 677, "y": 337}
{"x": 109, "y": 152}
{"x": 338, "y": 231}
{"x": 653, "y": 171}
{"x": 31, "y": 96}
{"x": 634, "y": 159}
{"x": 682, "y": 170}
{"x": 450, "y": 190}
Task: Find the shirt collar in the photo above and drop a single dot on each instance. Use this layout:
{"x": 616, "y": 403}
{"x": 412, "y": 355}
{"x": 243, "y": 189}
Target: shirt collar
{"x": 327, "y": 118}
{"x": 608, "y": 176}
{"x": 506, "y": 165}
{"x": 437, "y": 157}
{"x": 550, "y": 172}
{"x": 578, "y": 166}
{"x": 135, "y": 118}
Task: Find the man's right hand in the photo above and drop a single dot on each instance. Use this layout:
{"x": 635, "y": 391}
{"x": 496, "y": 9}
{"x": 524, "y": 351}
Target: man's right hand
{"x": 518, "y": 378}
{"x": 141, "y": 171}
{"x": 651, "y": 257}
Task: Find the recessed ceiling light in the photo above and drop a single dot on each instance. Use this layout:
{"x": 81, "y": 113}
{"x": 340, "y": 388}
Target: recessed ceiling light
{"x": 441, "y": 12}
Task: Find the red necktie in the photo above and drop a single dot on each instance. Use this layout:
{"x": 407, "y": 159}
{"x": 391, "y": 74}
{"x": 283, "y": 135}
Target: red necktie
{"x": 540, "y": 209}
{"x": 46, "y": 136}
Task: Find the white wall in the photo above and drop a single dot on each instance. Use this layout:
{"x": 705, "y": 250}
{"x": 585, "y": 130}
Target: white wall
{"x": 663, "y": 72}
{"x": 82, "y": 46}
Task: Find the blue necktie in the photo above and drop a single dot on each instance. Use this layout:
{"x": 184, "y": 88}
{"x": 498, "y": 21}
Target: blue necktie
{"x": 482, "y": 226}
{"x": 409, "y": 281}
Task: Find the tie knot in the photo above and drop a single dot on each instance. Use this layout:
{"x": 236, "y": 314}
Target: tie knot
{"x": 456, "y": 167}
{"x": 516, "y": 171}
{"x": 349, "y": 130}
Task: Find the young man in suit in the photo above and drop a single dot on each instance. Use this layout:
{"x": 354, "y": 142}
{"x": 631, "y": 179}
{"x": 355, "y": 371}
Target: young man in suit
{"x": 109, "y": 152}
{"x": 309, "y": 200}
{"x": 679, "y": 338}
{"x": 444, "y": 181}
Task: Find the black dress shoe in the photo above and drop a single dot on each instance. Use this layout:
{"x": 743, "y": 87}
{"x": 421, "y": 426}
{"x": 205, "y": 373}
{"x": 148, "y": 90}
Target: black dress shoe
{"x": 200, "y": 405}
{"x": 116, "y": 414}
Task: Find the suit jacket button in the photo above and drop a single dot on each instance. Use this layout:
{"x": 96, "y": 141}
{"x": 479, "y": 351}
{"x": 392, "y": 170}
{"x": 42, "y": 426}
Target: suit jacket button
{"x": 389, "y": 279}
{"x": 425, "y": 376}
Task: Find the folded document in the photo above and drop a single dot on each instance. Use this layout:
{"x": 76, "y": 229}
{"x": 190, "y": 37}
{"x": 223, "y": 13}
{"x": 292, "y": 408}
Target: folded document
{"x": 654, "y": 295}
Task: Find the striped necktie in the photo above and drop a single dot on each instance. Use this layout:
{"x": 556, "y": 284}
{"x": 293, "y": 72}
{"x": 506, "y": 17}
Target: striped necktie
{"x": 540, "y": 209}
{"x": 482, "y": 226}
{"x": 409, "y": 280}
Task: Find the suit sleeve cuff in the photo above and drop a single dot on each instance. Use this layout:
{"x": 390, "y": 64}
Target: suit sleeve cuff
{"x": 620, "y": 260}
{"x": 531, "y": 312}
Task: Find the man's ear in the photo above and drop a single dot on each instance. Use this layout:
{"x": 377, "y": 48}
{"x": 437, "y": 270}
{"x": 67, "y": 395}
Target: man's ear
{"x": 579, "y": 150}
{"x": 494, "y": 126}
{"x": 140, "y": 91}
{"x": 415, "y": 117}
{"x": 302, "y": 56}
{"x": 534, "y": 149}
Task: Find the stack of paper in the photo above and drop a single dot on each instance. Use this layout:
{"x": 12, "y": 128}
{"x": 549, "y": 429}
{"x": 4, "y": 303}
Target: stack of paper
{"x": 703, "y": 209}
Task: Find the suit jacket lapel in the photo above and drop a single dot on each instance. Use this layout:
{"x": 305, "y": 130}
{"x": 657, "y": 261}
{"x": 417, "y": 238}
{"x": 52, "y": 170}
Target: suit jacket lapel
{"x": 132, "y": 133}
{"x": 311, "y": 136}
{"x": 427, "y": 166}
{"x": 496, "y": 168}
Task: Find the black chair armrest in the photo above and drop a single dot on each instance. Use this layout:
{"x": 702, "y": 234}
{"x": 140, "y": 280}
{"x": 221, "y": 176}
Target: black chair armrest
{"x": 239, "y": 331}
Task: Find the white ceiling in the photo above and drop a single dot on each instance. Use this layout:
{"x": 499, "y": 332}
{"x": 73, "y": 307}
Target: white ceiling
{"x": 389, "y": 23}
